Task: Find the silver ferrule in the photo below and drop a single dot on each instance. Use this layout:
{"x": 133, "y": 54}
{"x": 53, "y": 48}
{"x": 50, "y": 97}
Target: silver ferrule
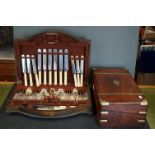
{"x": 34, "y": 64}
{"x": 28, "y": 64}
{"x": 50, "y": 59}
{"x": 60, "y": 60}
{"x": 44, "y": 59}
{"x": 82, "y": 65}
{"x": 39, "y": 59}
{"x": 23, "y": 63}
{"x": 66, "y": 60}
{"x": 77, "y": 65}
{"x": 73, "y": 65}
{"x": 55, "y": 60}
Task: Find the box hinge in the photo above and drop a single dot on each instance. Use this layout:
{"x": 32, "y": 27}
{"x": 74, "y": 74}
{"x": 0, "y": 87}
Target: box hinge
{"x": 144, "y": 102}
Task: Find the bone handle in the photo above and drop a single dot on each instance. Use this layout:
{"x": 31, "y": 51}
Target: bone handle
{"x": 25, "y": 79}
{"x": 81, "y": 80}
{"x": 40, "y": 77}
{"x": 37, "y": 80}
{"x": 45, "y": 78}
{"x": 50, "y": 77}
{"x": 78, "y": 80}
{"x": 65, "y": 77}
{"x": 30, "y": 77}
{"x": 75, "y": 80}
{"x": 60, "y": 77}
{"x": 55, "y": 77}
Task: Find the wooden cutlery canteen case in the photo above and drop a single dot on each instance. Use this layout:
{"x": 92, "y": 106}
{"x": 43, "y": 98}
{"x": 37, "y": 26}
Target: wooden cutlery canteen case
{"x": 118, "y": 101}
{"x": 58, "y": 88}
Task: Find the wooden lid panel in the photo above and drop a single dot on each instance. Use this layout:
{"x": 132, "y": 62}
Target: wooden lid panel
{"x": 109, "y": 82}
{"x": 53, "y": 41}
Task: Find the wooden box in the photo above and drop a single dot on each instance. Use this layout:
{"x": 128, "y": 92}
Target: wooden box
{"x": 118, "y": 101}
{"x": 51, "y": 106}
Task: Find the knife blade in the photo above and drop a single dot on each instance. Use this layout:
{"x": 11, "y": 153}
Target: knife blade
{"x": 50, "y": 65}
{"x": 24, "y": 70}
{"x": 55, "y": 66}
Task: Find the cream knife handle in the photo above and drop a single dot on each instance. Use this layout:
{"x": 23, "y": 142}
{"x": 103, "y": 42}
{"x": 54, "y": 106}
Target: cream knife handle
{"x": 55, "y": 77}
{"x": 65, "y": 77}
{"x": 37, "y": 80}
{"x": 50, "y": 77}
{"x": 75, "y": 80}
{"x": 78, "y": 80}
{"x": 81, "y": 80}
{"x": 25, "y": 79}
{"x": 45, "y": 78}
{"x": 60, "y": 77}
{"x": 40, "y": 77}
{"x": 30, "y": 77}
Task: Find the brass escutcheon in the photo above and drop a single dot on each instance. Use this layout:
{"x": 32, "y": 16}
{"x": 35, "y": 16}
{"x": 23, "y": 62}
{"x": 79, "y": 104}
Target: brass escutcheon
{"x": 116, "y": 82}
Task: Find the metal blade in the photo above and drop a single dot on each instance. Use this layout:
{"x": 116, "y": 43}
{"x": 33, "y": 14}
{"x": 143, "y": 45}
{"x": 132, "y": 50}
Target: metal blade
{"x": 66, "y": 60}
{"x": 50, "y": 59}
{"x": 73, "y": 65}
{"x": 33, "y": 64}
{"x": 82, "y": 64}
{"x": 44, "y": 59}
{"x": 55, "y": 59}
{"x": 60, "y": 59}
{"x": 28, "y": 64}
{"x": 39, "y": 59}
{"x": 77, "y": 65}
{"x": 23, "y": 63}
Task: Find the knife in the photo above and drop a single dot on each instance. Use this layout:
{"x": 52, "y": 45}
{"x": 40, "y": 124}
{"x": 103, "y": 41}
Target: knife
{"x": 24, "y": 69}
{"x": 74, "y": 70}
{"x": 39, "y": 65}
{"x": 45, "y": 65}
{"x": 65, "y": 65}
{"x": 77, "y": 70}
{"x": 35, "y": 70}
{"x": 82, "y": 69}
{"x": 29, "y": 69}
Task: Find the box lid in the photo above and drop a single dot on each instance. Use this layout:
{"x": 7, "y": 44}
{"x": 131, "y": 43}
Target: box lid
{"x": 116, "y": 86}
{"x": 53, "y": 40}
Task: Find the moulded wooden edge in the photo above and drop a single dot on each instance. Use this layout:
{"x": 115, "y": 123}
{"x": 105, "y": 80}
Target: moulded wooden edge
{"x": 50, "y": 113}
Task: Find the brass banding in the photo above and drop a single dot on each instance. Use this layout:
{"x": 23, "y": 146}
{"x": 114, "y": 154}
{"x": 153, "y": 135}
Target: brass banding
{"x": 142, "y": 112}
{"x": 120, "y": 94}
{"x": 104, "y": 112}
{"x": 104, "y": 103}
{"x": 144, "y": 102}
{"x": 100, "y": 73}
{"x": 103, "y": 121}
{"x": 141, "y": 121}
